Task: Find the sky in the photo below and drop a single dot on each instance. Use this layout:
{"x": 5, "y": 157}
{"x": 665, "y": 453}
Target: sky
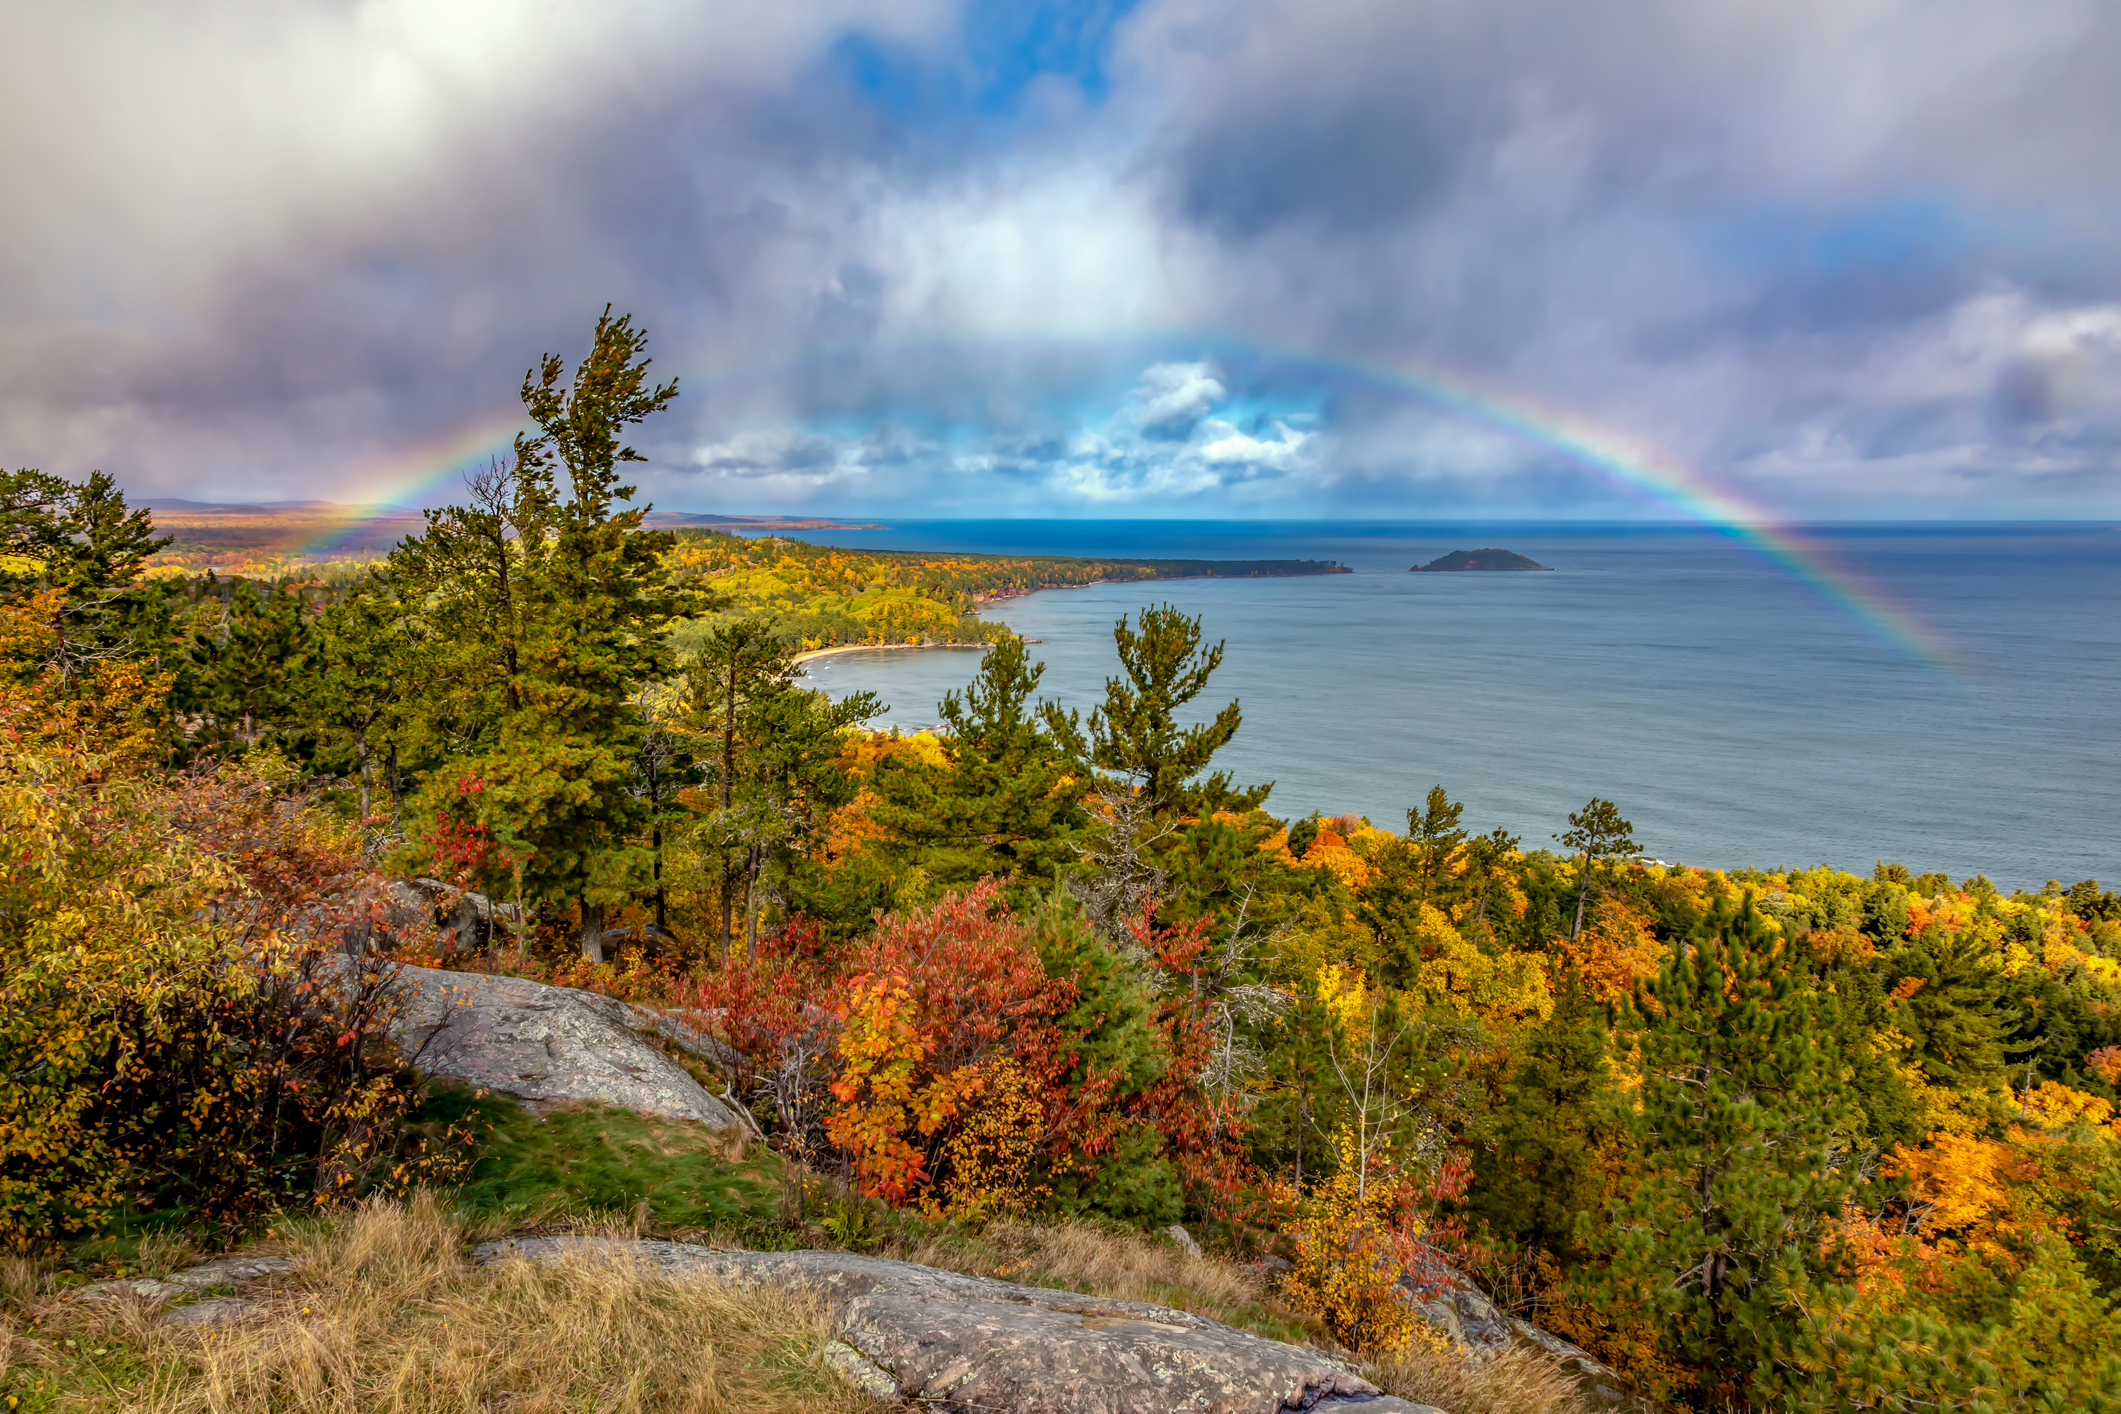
{"x": 1793, "y": 259}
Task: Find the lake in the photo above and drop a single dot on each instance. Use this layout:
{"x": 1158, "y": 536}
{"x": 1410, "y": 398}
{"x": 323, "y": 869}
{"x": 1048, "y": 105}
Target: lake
{"x": 1735, "y": 713}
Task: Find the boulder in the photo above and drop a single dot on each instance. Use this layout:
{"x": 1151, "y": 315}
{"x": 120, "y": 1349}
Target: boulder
{"x": 1573, "y": 1356}
{"x": 1465, "y": 1317}
{"x": 962, "y": 1343}
{"x": 464, "y": 921}
{"x": 1458, "y": 1311}
{"x": 544, "y": 1045}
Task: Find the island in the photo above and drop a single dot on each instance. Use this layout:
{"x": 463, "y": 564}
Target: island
{"x": 1480, "y": 560}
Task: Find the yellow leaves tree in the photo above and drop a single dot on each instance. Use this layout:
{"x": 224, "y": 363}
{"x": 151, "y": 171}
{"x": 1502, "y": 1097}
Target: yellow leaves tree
{"x": 989, "y": 1159}
{"x": 1615, "y": 951}
{"x": 114, "y": 708}
{"x": 177, "y": 1015}
{"x": 1356, "y": 1236}
{"x": 100, "y": 921}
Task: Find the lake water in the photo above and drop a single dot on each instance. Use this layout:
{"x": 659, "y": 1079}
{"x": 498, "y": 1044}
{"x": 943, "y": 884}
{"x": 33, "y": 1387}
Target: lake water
{"x": 1735, "y": 713}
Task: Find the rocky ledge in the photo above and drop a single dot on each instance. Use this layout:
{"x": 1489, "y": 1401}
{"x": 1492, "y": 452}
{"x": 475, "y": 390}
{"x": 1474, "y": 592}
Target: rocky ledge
{"x": 546, "y": 1045}
{"x": 961, "y": 1343}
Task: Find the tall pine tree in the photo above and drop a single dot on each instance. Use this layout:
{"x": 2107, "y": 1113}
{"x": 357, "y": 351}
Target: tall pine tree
{"x": 1743, "y": 1120}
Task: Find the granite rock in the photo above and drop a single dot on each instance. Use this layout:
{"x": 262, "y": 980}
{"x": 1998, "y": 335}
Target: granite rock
{"x": 962, "y": 1343}
{"x": 544, "y": 1045}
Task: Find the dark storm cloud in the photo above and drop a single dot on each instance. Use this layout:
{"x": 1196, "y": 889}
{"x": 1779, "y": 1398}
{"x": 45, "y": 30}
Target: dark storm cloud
{"x": 1847, "y": 256}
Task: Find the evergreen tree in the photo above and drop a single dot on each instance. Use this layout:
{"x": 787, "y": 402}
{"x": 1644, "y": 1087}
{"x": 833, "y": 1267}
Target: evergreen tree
{"x": 1955, "y": 1010}
{"x": 1742, "y": 1115}
{"x": 470, "y": 576}
{"x": 1488, "y": 860}
{"x": 248, "y": 672}
{"x": 1540, "y": 1170}
{"x": 356, "y": 678}
{"x": 769, "y": 748}
{"x": 80, "y": 539}
{"x": 545, "y": 609}
{"x": 602, "y": 599}
{"x": 999, "y": 805}
{"x": 1437, "y": 839}
{"x": 1595, "y": 833}
{"x": 1136, "y": 732}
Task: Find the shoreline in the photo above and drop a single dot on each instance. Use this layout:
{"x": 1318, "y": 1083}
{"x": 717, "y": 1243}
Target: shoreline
{"x": 802, "y": 658}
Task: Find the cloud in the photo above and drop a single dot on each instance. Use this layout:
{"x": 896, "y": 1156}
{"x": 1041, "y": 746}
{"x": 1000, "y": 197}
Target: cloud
{"x": 1174, "y": 437}
{"x": 1850, "y": 256}
{"x": 1172, "y": 398}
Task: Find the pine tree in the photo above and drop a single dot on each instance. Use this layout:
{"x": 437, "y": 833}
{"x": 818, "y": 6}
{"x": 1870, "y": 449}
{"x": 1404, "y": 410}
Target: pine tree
{"x": 602, "y": 600}
{"x": 1540, "y": 1169}
{"x": 543, "y": 610}
{"x": 1136, "y": 732}
{"x": 80, "y": 539}
{"x": 1438, "y": 841}
{"x": 770, "y": 749}
{"x": 1743, "y": 1115}
{"x": 1595, "y": 833}
{"x": 247, "y": 673}
{"x": 1956, "y": 1014}
{"x": 999, "y": 805}
{"x": 356, "y": 677}
{"x": 470, "y": 576}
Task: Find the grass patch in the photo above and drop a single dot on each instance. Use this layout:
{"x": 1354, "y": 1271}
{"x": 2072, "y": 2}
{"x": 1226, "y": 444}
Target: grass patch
{"x": 383, "y": 1311}
{"x": 1514, "y": 1381}
{"x": 589, "y": 1162}
{"x": 1098, "y": 1260}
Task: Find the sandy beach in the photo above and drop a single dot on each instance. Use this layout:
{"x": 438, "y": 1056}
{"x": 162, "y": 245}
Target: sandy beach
{"x": 801, "y": 658}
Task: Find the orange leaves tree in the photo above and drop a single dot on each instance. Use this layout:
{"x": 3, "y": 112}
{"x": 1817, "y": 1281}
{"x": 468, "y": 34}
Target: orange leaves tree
{"x": 936, "y": 996}
{"x": 975, "y": 1060}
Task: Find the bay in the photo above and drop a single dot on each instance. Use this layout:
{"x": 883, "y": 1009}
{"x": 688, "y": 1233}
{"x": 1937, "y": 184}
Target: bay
{"x": 1734, "y": 711}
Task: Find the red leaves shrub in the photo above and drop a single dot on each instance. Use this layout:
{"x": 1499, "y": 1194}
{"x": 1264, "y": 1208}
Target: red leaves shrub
{"x": 936, "y": 994}
{"x": 779, "y": 1042}
{"x": 895, "y": 1050}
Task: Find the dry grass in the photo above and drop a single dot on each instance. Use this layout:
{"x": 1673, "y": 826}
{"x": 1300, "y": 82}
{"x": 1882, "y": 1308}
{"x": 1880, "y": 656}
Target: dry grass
{"x": 383, "y": 1312}
{"x": 1516, "y": 1381}
{"x": 1080, "y": 1256}
{"x": 22, "y": 1279}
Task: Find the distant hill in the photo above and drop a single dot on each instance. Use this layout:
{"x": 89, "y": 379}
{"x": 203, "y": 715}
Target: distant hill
{"x": 1481, "y": 560}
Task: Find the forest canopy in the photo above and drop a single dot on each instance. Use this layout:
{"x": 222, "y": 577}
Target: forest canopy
{"x": 1791, "y": 1138}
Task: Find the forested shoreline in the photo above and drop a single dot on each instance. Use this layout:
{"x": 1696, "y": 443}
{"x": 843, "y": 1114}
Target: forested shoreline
{"x": 1756, "y": 1139}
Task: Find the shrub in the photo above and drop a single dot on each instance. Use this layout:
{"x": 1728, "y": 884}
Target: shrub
{"x": 1355, "y": 1238}
{"x": 178, "y": 1030}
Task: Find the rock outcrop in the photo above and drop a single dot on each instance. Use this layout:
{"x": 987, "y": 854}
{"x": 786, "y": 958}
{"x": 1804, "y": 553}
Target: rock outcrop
{"x": 961, "y": 1343}
{"x": 545, "y": 1045}
{"x": 463, "y": 921}
{"x": 222, "y": 1273}
{"x": 1462, "y": 1314}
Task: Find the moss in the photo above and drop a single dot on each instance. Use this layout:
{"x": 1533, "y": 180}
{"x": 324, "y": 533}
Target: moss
{"x": 589, "y": 1160}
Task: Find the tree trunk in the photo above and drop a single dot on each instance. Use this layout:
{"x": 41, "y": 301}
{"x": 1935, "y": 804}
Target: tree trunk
{"x": 662, "y": 903}
{"x": 655, "y": 839}
{"x": 522, "y": 925}
{"x": 592, "y": 930}
{"x": 728, "y": 779}
{"x": 1583, "y": 894}
{"x": 751, "y": 917}
{"x": 397, "y": 819}
{"x": 360, "y": 741}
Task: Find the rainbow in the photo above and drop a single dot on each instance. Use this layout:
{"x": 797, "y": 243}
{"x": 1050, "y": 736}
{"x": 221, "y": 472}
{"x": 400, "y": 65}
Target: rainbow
{"x": 1627, "y": 463}
{"x": 408, "y": 477}
{"x": 1642, "y": 470}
